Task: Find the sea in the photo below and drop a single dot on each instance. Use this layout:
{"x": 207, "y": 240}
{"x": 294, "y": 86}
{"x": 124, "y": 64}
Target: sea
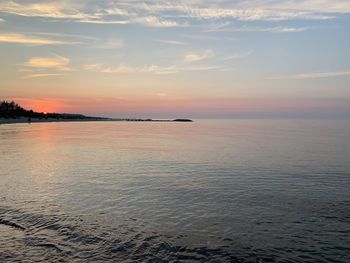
{"x": 205, "y": 191}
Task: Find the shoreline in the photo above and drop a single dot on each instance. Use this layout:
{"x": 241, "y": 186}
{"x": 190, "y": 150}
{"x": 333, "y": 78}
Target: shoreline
{"x": 90, "y": 119}
{"x": 34, "y": 120}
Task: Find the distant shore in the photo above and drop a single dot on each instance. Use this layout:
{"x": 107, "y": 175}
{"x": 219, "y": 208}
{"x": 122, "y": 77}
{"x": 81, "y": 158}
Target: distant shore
{"x": 89, "y": 119}
{"x": 12, "y": 113}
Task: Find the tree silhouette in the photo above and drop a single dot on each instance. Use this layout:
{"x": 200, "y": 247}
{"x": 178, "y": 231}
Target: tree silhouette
{"x": 13, "y": 110}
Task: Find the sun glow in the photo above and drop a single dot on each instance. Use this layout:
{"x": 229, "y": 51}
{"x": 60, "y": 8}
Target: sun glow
{"x": 40, "y": 105}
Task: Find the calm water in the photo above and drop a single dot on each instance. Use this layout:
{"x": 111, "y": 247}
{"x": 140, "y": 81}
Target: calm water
{"x": 220, "y": 191}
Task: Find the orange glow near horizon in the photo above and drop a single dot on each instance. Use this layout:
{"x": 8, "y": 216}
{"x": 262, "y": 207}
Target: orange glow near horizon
{"x": 40, "y": 105}
{"x": 175, "y": 107}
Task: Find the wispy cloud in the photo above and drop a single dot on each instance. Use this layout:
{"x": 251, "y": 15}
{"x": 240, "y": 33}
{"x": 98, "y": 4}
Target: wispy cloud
{"x": 29, "y": 39}
{"x": 176, "y": 13}
{"x": 106, "y": 69}
{"x": 62, "y": 10}
{"x": 255, "y": 10}
{"x": 202, "y": 68}
{"x": 252, "y": 14}
{"x": 323, "y": 6}
{"x": 154, "y": 22}
{"x": 57, "y": 10}
{"x": 160, "y": 70}
{"x": 238, "y": 55}
{"x": 108, "y": 44}
{"x": 276, "y": 29}
{"x": 198, "y": 55}
{"x": 78, "y": 12}
{"x": 287, "y": 29}
{"x": 41, "y": 38}
{"x": 155, "y": 69}
{"x": 41, "y": 75}
{"x": 171, "y": 42}
{"x": 260, "y": 10}
{"x": 56, "y": 62}
{"x": 316, "y": 75}
{"x": 191, "y": 61}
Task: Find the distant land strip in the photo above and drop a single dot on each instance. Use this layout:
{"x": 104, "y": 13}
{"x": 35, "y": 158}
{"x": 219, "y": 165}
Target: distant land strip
{"x": 11, "y": 113}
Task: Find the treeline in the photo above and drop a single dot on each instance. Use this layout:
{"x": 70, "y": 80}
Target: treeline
{"x": 11, "y": 110}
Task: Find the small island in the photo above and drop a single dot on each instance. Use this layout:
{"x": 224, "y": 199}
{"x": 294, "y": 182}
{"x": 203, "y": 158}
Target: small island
{"x": 11, "y": 112}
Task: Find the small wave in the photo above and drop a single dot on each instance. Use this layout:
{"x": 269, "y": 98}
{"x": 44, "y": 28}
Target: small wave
{"x": 11, "y": 224}
{"x": 69, "y": 238}
{"x": 49, "y": 245}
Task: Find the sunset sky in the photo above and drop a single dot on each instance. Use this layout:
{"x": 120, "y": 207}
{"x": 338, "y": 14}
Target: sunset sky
{"x": 196, "y": 58}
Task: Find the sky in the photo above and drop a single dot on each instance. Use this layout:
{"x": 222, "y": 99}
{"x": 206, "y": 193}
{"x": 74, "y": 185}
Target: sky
{"x": 164, "y": 59}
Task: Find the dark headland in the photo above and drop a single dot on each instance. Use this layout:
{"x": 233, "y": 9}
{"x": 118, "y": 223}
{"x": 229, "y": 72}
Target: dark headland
{"x": 11, "y": 112}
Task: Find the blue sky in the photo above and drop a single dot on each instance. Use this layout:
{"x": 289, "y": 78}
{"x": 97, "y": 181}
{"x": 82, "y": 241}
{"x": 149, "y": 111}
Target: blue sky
{"x": 195, "y": 58}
